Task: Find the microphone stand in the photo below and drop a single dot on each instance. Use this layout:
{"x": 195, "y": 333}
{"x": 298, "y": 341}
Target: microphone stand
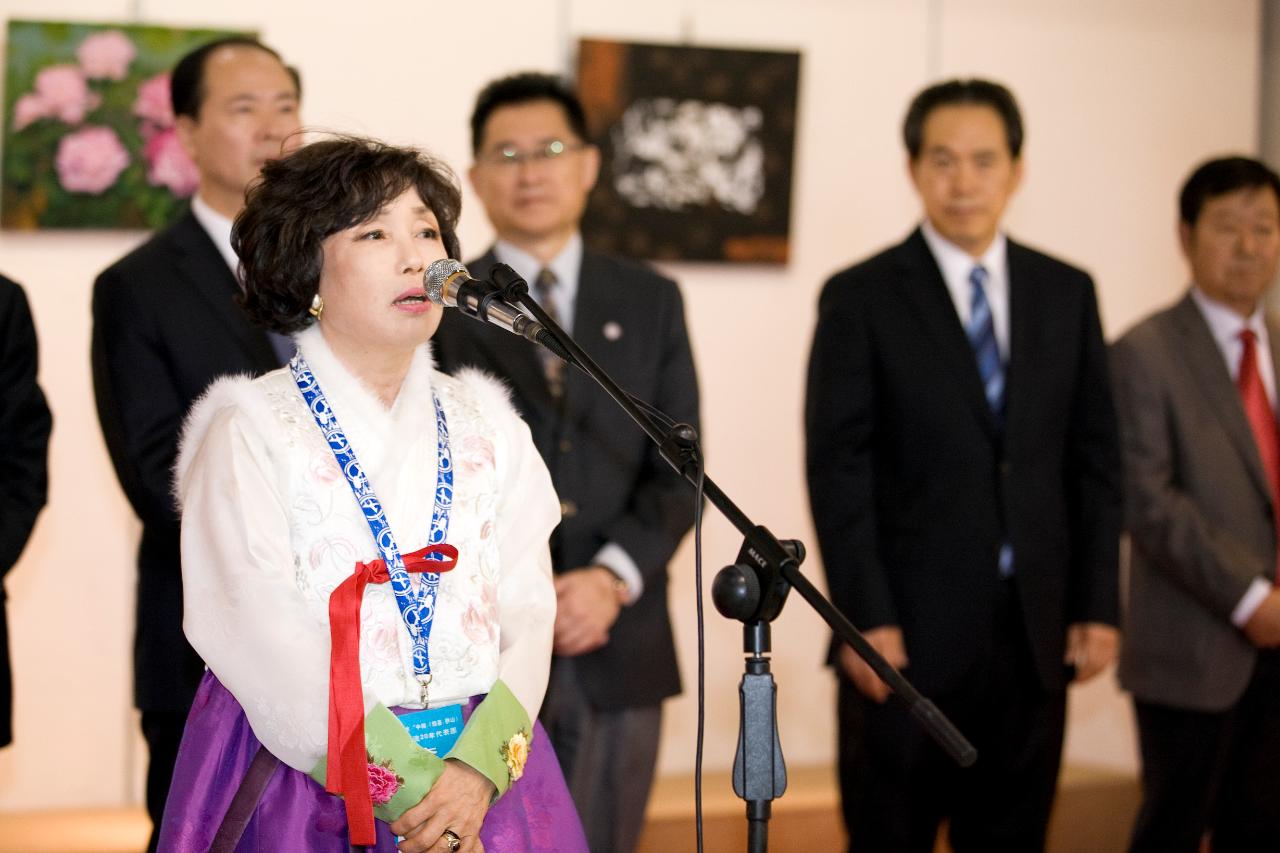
{"x": 752, "y": 590}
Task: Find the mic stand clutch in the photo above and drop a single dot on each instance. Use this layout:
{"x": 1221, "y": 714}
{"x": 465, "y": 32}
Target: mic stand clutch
{"x": 752, "y": 591}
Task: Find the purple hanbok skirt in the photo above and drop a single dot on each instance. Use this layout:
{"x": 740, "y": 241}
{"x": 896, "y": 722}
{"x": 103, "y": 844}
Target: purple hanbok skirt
{"x": 295, "y": 813}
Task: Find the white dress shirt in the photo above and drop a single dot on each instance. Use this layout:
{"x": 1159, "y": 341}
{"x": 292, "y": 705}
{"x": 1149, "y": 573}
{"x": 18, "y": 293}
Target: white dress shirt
{"x": 566, "y": 267}
{"x": 219, "y": 229}
{"x": 956, "y": 265}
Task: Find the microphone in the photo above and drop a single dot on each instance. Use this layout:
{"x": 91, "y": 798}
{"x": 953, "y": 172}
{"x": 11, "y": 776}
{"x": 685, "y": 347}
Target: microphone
{"x": 448, "y": 283}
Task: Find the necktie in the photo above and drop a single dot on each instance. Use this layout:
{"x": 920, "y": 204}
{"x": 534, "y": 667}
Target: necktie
{"x": 982, "y": 338}
{"x": 552, "y": 367}
{"x": 1262, "y": 419}
{"x": 981, "y": 332}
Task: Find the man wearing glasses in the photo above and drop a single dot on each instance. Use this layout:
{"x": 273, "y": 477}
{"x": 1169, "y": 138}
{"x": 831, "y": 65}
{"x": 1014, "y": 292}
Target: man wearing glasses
{"x": 624, "y": 510}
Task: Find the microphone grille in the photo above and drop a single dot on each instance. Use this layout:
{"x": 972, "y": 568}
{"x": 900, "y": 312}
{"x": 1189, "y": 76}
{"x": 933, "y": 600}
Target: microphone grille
{"x": 437, "y": 275}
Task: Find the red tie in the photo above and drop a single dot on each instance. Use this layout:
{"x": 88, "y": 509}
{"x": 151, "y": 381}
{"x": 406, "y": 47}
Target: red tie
{"x": 1262, "y": 419}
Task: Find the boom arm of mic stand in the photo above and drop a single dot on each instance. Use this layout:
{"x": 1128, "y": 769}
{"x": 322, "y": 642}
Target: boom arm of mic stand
{"x": 771, "y": 558}
{"x": 934, "y": 721}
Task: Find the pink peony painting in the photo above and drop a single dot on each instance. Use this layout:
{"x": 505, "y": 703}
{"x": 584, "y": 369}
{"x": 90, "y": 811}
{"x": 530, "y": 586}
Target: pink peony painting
{"x": 62, "y": 92}
{"x": 90, "y": 160}
{"x": 90, "y": 139}
{"x": 152, "y": 104}
{"x": 168, "y": 164}
{"x": 106, "y": 55}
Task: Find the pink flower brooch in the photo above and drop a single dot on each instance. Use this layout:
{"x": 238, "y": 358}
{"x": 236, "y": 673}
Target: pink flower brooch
{"x": 383, "y": 782}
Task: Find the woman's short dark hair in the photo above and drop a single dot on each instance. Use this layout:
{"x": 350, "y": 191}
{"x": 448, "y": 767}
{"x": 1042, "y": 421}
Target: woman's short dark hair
{"x": 1220, "y": 177}
{"x": 981, "y": 93}
{"x": 313, "y": 193}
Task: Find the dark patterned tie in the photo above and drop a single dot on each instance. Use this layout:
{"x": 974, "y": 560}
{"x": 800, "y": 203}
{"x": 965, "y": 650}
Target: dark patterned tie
{"x": 552, "y": 367}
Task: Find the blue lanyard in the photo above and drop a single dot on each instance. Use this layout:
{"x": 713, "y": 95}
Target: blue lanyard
{"x": 417, "y": 607}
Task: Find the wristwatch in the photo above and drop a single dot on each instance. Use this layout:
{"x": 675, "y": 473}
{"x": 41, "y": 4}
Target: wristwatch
{"x": 620, "y": 589}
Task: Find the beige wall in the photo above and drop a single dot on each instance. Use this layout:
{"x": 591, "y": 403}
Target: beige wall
{"x": 1120, "y": 99}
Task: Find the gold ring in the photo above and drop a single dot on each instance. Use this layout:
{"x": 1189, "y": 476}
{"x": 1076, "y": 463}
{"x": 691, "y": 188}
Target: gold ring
{"x": 451, "y": 839}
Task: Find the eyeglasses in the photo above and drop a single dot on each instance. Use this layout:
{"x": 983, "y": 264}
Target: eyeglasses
{"x": 509, "y": 155}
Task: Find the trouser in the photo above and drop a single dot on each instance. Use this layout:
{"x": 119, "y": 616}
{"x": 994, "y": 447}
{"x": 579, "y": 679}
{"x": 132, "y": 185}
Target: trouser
{"x": 1212, "y": 772}
{"x": 163, "y": 733}
{"x": 608, "y": 759}
{"x": 897, "y": 785}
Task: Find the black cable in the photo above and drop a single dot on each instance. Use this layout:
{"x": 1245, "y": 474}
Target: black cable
{"x": 655, "y": 414}
{"x": 702, "y": 646}
{"x": 694, "y": 455}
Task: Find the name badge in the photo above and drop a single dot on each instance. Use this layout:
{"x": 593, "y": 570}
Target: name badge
{"x": 434, "y": 729}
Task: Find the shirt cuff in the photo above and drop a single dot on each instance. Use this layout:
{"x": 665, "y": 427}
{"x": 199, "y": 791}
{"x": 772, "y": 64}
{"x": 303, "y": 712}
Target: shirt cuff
{"x": 497, "y": 738}
{"x": 618, "y": 561}
{"x": 401, "y": 771}
{"x": 1250, "y": 602}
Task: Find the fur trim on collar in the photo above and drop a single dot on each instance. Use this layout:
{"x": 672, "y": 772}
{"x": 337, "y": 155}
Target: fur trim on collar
{"x": 246, "y": 395}
{"x": 492, "y": 394}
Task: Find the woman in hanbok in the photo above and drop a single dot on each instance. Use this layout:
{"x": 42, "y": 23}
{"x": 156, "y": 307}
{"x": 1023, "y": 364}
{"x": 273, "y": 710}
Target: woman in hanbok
{"x": 364, "y": 548}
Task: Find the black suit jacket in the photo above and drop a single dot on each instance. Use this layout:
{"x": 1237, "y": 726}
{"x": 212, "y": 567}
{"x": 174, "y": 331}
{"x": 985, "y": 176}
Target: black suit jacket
{"x": 613, "y": 486}
{"x": 24, "y": 445}
{"x": 914, "y": 485}
{"x": 164, "y": 327}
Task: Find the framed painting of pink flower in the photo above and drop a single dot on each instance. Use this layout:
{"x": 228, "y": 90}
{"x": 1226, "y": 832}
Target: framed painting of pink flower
{"x": 89, "y": 138}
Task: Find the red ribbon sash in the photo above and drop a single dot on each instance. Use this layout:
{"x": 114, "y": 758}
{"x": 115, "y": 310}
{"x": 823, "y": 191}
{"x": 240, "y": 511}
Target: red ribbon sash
{"x": 347, "y": 772}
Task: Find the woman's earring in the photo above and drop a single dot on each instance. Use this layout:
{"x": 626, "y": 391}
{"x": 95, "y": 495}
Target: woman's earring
{"x": 317, "y": 306}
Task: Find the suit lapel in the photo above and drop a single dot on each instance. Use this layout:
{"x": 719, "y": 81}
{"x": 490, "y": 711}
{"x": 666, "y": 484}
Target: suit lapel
{"x": 1204, "y": 362}
{"x": 1273, "y": 339}
{"x": 598, "y": 304}
{"x": 203, "y": 269}
{"x": 928, "y": 293}
{"x": 1025, "y": 317}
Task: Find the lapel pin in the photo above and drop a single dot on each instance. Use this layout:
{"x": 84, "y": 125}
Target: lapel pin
{"x": 612, "y": 331}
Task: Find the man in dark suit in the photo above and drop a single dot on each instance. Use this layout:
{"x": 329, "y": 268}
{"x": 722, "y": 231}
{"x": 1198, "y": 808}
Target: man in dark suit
{"x": 24, "y": 437}
{"x": 962, "y": 465}
{"x": 1196, "y": 393}
{"x": 624, "y": 510}
{"x": 164, "y": 326}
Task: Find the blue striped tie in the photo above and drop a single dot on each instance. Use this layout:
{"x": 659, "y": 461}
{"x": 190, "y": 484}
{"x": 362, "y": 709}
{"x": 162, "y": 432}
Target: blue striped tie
{"x": 982, "y": 337}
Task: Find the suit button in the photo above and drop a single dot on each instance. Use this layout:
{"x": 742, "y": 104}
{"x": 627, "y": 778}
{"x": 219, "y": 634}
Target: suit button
{"x": 565, "y": 445}
{"x": 1004, "y": 468}
{"x": 568, "y": 509}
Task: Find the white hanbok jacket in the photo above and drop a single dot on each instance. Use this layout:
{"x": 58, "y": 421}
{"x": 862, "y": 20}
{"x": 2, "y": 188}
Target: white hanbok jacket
{"x": 270, "y": 527}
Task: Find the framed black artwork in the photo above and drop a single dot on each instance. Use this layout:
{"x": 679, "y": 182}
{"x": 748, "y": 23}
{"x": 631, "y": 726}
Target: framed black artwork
{"x": 696, "y": 150}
